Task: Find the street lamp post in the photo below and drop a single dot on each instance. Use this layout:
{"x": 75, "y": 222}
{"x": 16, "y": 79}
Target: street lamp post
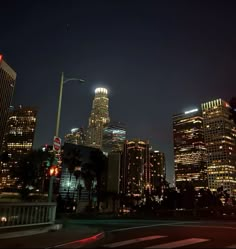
{"x": 62, "y": 82}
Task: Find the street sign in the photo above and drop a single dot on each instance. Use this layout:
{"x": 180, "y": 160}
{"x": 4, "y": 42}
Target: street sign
{"x": 56, "y": 144}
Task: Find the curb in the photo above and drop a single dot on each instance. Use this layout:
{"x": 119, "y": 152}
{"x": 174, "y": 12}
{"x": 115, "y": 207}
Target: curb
{"x": 81, "y": 242}
{"x": 35, "y": 231}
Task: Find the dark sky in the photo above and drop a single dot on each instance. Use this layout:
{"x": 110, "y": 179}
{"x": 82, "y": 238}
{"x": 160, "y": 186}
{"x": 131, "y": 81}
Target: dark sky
{"x": 157, "y": 58}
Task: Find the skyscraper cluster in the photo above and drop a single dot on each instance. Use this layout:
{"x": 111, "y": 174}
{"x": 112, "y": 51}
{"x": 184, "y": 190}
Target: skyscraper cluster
{"x": 205, "y": 147}
{"x": 204, "y": 142}
{"x": 133, "y": 167}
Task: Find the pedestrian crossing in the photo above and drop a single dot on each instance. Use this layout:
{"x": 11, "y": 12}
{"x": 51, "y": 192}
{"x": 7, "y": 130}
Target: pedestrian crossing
{"x": 131, "y": 241}
{"x": 179, "y": 243}
{"x": 157, "y": 238}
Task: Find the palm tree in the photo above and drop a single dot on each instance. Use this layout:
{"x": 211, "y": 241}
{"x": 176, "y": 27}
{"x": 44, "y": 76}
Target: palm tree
{"x": 88, "y": 174}
{"x": 72, "y": 160}
{"x": 29, "y": 171}
{"x": 99, "y": 165}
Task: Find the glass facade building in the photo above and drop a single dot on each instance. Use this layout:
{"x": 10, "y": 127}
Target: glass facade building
{"x": 77, "y": 136}
{"x": 135, "y": 175}
{"x": 18, "y": 140}
{"x": 114, "y": 136}
{"x": 189, "y": 149}
{"x": 7, "y": 85}
{"x": 220, "y": 140}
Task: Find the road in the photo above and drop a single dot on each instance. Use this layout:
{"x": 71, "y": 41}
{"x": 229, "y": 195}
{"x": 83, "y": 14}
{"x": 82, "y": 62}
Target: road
{"x": 165, "y": 234}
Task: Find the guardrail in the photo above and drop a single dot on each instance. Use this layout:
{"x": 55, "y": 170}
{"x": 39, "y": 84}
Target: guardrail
{"x": 26, "y": 214}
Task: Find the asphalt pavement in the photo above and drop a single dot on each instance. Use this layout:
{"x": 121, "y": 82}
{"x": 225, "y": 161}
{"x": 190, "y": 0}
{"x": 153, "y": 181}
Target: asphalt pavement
{"x": 168, "y": 234}
{"x": 125, "y": 233}
{"x": 68, "y": 237}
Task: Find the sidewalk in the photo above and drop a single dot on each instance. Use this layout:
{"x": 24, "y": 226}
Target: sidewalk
{"x": 69, "y": 237}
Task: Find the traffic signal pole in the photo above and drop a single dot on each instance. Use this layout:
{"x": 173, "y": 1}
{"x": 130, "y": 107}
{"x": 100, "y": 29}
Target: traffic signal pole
{"x": 51, "y": 181}
{"x": 50, "y": 192}
{"x": 62, "y": 81}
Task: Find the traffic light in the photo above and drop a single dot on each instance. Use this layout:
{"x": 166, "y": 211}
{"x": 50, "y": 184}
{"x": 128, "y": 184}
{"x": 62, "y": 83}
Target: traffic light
{"x": 53, "y": 170}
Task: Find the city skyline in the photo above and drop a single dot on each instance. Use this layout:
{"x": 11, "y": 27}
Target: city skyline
{"x": 155, "y": 58}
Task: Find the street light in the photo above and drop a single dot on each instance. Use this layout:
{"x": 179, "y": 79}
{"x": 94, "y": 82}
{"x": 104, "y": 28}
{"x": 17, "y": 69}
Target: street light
{"x": 63, "y": 81}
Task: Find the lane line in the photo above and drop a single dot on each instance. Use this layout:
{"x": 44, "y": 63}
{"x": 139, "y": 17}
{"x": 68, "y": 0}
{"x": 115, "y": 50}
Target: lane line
{"x": 203, "y": 226}
{"x": 154, "y": 225}
{"x": 132, "y": 241}
{"x": 79, "y": 243}
{"x": 179, "y": 243}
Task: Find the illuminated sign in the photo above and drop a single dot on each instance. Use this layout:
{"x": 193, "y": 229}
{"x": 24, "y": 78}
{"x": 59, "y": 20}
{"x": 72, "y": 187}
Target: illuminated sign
{"x": 193, "y": 110}
{"x": 0, "y": 57}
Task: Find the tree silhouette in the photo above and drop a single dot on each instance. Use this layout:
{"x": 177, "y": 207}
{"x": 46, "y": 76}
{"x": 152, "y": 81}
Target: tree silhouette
{"x": 99, "y": 163}
{"x": 72, "y": 159}
{"x": 30, "y": 171}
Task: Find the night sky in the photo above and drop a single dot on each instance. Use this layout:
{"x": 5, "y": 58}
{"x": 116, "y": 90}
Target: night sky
{"x": 157, "y": 58}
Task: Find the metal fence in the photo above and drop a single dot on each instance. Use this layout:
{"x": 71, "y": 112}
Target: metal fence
{"x": 26, "y": 214}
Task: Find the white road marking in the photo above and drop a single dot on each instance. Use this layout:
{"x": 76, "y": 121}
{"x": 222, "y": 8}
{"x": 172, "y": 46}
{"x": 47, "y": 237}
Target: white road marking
{"x": 132, "y": 241}
{"x": 179, "y": 243}
{"x": 203, "y": 226}
{"x": 155, "y": 225}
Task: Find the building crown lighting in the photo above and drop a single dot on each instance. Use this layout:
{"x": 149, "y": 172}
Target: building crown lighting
{"x": 191, "y": 111}
{"x": 101, "y": 90}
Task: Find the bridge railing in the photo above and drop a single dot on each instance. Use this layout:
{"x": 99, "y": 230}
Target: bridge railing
{"x": 26, "y": 214}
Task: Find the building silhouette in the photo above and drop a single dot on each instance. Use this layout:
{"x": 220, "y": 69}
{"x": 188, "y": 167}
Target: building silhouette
{"x": 220, "y": 140}
{"x": 98, "y": 119}
{"x": 189, "y": 149}
{"x": 135, "y": 176}
{"x": 7, "y": 85}
{"x": 18, "y": 140}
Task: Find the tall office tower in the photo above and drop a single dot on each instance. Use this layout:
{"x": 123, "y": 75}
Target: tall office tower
{"x": 7, "y": 85}
{"x": 220, "y": 140}
{"x": 18, "y": 140}
{"x": 189, "y": 149}
{"x": 114, "y": 135}
{"x": 157, "y": 168}
{"x": 135, "y": 169}
{"x": 98, "y": 119}
{"x": 77, "y": 136}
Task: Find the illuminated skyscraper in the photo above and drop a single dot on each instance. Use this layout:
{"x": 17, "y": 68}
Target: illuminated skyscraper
{"x": 189, "y": 149}
{"x": 18, "y": 140}
{"x": 98, "y": 119}
{"x": 7, "y": 84}
{"x": 157, "y": 168}
{"x": 135, "y": 170}
{"x": 77, "y": 136}
{"x": 220, "y": 140}
{"x": 114, "y": 135}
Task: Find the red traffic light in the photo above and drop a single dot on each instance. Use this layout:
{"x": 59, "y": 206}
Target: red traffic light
{"x": 53, "y": 171}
